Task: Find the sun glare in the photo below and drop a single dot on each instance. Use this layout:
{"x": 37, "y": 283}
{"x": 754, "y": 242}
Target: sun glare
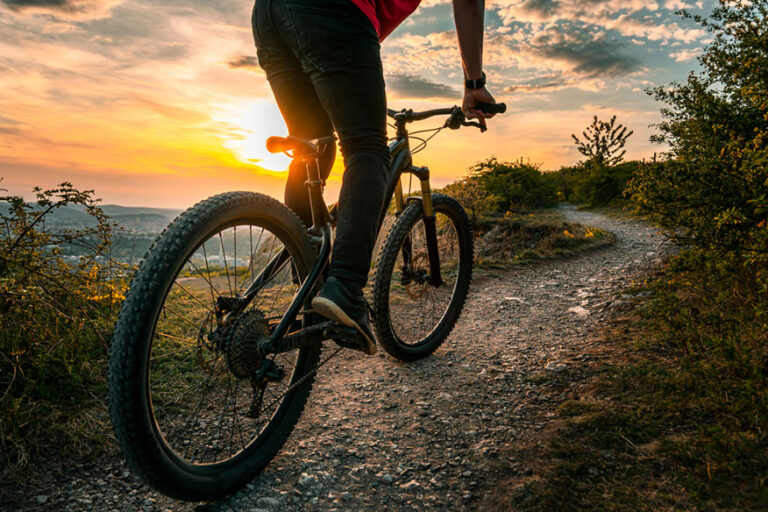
{"x": 246, "y": 128}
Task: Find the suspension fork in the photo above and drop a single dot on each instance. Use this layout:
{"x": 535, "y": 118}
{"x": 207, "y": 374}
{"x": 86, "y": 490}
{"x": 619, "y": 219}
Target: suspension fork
{"x": 407, "y": 249}
{"x": 430, "y": 228}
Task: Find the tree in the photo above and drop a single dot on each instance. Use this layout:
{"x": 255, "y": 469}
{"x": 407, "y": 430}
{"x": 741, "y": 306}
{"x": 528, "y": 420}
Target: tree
{"x": 714, "y": 181}
{"x": 603, "y": 142}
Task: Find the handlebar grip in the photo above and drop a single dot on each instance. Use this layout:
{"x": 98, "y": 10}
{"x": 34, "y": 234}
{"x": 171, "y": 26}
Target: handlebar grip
{"x": 492, "y": 108}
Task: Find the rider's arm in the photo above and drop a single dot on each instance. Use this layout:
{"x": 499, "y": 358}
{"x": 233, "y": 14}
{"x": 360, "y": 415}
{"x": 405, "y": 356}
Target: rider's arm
{"x": 470, "y": 27}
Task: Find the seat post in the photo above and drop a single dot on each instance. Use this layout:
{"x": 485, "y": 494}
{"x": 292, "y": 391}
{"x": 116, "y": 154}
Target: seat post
{"x": 314, "y": 185}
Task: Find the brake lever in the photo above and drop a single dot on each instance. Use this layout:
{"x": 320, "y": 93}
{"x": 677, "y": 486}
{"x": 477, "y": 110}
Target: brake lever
{"x": 475, "y": 124}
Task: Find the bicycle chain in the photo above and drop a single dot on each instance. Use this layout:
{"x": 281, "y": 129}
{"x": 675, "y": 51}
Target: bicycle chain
{"x": 313, "y": 371}
{"x": 304, "y": 377}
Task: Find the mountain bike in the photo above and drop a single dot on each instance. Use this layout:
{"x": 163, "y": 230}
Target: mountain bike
{"x": 215, "y": 348}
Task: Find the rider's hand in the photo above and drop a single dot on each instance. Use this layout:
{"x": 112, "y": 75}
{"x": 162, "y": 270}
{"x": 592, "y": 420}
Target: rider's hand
{"x": 474, "y": 97}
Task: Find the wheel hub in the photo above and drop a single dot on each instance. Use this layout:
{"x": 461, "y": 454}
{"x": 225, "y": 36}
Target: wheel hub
{"x": 418, "y": 279}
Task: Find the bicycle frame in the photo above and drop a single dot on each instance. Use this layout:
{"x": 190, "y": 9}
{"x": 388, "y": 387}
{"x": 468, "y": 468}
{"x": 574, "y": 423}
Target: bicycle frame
{"x": 401, "y": 162}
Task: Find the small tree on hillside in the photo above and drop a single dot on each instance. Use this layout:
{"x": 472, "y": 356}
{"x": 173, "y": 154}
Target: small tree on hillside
{"x": 603, "y": 142}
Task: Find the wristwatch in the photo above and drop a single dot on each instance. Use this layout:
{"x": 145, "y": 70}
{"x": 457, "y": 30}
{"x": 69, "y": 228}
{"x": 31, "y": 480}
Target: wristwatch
{"x": 478, "y": 83}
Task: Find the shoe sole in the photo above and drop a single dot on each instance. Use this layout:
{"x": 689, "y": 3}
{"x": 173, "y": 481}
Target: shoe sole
{"x": 330, "y": 310}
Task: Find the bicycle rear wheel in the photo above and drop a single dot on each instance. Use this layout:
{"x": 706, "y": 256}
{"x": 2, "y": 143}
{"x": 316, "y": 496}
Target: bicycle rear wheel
{"x": 190, "y": 416}
{"x": 414, "y": 317}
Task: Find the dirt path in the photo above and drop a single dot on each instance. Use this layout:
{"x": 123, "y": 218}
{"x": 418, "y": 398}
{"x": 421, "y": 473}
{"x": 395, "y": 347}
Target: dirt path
{"x": 382, "y": 435}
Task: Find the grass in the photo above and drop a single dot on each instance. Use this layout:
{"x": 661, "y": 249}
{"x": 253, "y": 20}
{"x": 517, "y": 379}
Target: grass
{"x": 678, "y": 417}
{"x": 518, "y": 238}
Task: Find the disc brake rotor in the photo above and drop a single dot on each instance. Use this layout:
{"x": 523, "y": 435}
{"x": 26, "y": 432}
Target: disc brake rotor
{"x": 416, "y": 288}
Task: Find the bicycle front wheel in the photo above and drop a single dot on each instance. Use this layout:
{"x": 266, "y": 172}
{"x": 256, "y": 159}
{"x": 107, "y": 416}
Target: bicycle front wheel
{"x": 197, "y": 409}
{"x": 413, "y": 316}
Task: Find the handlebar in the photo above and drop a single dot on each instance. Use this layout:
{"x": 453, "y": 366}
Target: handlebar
{"x": 456, "y": 119}
{"x": 410, "y": 115}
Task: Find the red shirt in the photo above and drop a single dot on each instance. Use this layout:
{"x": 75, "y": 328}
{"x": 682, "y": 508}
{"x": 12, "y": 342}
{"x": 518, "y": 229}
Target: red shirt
{"x": 386, "y": 15}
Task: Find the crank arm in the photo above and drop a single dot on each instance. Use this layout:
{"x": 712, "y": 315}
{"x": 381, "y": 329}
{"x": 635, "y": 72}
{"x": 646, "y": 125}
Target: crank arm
{"x": 312, "y": 335}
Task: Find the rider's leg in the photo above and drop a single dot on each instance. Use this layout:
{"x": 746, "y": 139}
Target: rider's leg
{"x": 338, "y": 49}
{"x": 298, "y": 103}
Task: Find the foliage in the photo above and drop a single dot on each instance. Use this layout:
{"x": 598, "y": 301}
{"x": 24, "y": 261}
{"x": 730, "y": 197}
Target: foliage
{"x": 602, "y": 179}
{"x": 495, "y": 187}
{"x": 714, "y": 184}
{"x": 57, "y": 313}
{"x": 471, "y": 193}
{"x": 603, "y": 142}
{"x": 595, "y": 186}
{"x": 681, "y": 421}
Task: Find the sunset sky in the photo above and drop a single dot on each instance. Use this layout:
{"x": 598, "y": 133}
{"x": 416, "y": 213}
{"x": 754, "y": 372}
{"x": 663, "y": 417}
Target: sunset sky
{"x": 162, "y": 103}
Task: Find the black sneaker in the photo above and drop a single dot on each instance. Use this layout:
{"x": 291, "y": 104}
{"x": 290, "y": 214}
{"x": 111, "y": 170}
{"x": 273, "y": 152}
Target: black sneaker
{"x": 336, "y": 302}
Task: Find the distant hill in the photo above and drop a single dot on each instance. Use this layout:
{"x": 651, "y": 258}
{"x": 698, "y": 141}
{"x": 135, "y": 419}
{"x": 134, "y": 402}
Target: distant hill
{"x": 113, "y": 209}
{"x": 142, "y": 222}
{"x": 132, "y": 218}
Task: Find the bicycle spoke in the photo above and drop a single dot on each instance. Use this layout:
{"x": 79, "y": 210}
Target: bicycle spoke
{"x": 199, "y": 404}
{"x": 206, "y": 279}
{"x": 224, "y": 257}
{"x": 417, "y": 308}
{"x": 193, "y": 296}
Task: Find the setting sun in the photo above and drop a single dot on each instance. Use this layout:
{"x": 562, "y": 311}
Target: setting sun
{"x": 245, "y": 128}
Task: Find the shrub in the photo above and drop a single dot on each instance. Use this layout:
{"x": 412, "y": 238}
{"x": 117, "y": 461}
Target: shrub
{"x": 604, "y": 185}
{"x": 595, "y": 185}
{"x": 515, "y": 186}
{"x": 57, "y": 315}
{"x": 714, "y": 184}
{"x": 471, "y": 193}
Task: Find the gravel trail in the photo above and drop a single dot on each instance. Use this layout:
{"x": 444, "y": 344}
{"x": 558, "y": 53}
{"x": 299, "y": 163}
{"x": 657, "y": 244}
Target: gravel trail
{"x": 381, "y": 435}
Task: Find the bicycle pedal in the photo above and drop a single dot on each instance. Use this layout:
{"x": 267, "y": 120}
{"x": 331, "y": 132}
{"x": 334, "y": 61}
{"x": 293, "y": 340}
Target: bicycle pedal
{"x": 348, "y": 337}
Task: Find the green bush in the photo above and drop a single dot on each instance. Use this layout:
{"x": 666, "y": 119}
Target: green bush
{"x": 713, "y": 188}
{"x": 57, "y": 315}
{"x": 604, "y": 185}
{"x": 514, "y": 186}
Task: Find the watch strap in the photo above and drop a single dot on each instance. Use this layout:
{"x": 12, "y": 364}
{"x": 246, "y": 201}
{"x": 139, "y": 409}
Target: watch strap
{"x": 477, "y": 83}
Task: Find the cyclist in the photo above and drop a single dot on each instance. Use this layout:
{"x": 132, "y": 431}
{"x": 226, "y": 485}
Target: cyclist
{"x": 323, "y": 63}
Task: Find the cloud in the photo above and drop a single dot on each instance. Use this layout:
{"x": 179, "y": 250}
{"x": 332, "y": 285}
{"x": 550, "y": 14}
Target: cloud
{"x": 686, "y": 55}
{"x": 247, "y": 62}
{"x": 178, "y": 113}
{"x": 76, "y": 10}
{"x": 631, "y": 18}
{"x": 590, "y": 55}
{"x": 18, "y": 4}
{"x": 537, "y": 10}
{"x": 8, "y": 121}
{"x": 410, "y": 86}
{"x": 9, "y": 126}
{"x": 536, "y": 87}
